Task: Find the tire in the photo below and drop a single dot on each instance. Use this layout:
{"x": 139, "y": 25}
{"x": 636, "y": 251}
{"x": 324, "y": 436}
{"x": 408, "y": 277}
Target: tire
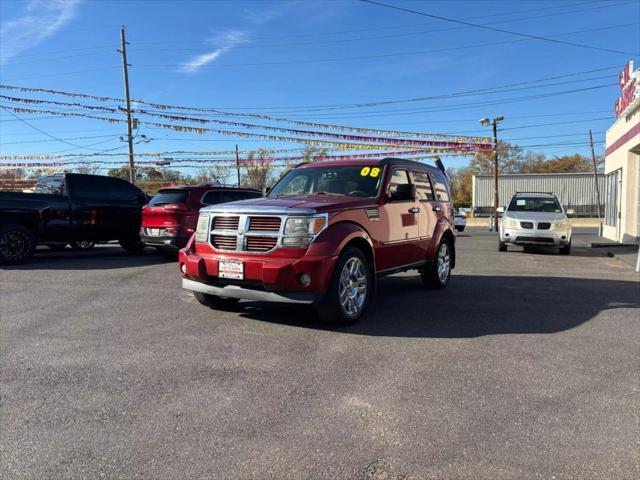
{"x": 437, "y": 276}
{"x": 56, "y": 247}
{"x": 213, "y": 301}
{"x": 133, "y": 245}
{"x": 17, "y": 244}
{"x": 353, "y": 277}
{"x": 83, "y": 245}
{"x": 565, "y": 249}
{"x": 502, "y": 247}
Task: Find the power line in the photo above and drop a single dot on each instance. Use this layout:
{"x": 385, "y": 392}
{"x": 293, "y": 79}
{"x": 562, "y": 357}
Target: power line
{"x": 107, "y": 48}
{"x": 378, "y": 37}
{"x": 49, "y": 141}
{"x": 500, "y": 30}
{"x": 40, "y": 130}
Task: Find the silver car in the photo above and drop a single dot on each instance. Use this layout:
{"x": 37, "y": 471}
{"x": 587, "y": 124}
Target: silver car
{"x": 535, "y": 219}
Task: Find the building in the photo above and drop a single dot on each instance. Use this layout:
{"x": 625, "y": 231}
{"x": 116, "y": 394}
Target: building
{"x": 622, "y": 163}
{"x": 574, "y": 190}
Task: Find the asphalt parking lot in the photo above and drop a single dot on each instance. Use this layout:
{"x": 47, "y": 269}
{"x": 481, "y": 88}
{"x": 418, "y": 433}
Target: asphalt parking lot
{"x": 525, "y": 367}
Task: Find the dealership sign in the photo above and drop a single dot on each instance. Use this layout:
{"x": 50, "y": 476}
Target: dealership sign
{"x": 627, "y": 83}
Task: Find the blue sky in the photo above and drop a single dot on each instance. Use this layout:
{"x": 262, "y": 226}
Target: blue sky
{"x": 288, "y": 57}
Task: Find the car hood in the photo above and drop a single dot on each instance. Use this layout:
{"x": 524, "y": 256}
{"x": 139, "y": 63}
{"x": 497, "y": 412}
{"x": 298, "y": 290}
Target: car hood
{"x": 292, "y": 205}
{"x": 536, "y": 216}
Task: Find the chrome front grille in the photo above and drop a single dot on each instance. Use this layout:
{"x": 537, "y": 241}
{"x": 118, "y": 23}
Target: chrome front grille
{"x": 267, "y": 224}
{"x": 246, "y": 233}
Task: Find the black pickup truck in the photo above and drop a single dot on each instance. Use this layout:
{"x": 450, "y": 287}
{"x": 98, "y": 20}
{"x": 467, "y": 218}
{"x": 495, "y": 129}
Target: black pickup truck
{"x": 66, "y": 208}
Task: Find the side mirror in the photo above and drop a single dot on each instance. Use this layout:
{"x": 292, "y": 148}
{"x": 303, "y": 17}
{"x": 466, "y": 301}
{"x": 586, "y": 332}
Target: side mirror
{"x": 402, "y": 192}
{"x": 570, "y": 211}
{"x": 500, "y": 210}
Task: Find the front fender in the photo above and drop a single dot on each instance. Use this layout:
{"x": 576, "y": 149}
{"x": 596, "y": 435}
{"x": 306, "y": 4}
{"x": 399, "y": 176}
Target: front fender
{"x": 331, "y": 242}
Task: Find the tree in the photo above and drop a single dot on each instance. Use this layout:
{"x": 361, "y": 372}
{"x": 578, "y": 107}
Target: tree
{"x": 313, "y": 154}
{"x": 510, "y": 158}
{"x": 460, "y": 183}
{"x": 216, "y": 174}
{"x": 88, "y": 170}
{"x": 259, "y": 170}
{"x": 565, "y": 164}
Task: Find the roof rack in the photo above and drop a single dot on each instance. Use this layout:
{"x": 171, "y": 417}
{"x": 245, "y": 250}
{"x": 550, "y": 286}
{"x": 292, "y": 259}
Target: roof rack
{"x": 542, "y": 193}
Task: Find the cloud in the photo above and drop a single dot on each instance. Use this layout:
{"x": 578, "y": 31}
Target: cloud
{"x": 222, "y": 42}
{"x": 40, "y": 20}
{"x": 260, "y": 17}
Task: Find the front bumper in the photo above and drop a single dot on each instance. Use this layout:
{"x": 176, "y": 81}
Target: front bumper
{"x": 242, "y": 293}
{"x": 170, "y": 242}
{"x": 522, "y": 236}
{"x": 271, "y": 278}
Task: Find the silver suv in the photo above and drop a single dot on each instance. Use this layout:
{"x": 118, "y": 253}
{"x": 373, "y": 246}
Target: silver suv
{"x": 534, "y": 218}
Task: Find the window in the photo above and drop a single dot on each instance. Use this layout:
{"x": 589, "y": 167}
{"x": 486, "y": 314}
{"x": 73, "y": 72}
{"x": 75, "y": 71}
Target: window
{"x": 534, "y": 204}
{"x": 612, "y": 182}
{"x": 224, "y": 196}
{"x": 50, "y": 185}
{"x": 423, "y": 186}
{"x": 351, "y": 180}
{"x": 398, "y": 177}
{"x": 103, "y": 188}
{"x": 165, "y": 197}
{"x": 441, "y": 186}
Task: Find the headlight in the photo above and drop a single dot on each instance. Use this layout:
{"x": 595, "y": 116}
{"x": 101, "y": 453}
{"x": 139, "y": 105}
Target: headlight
{"x": 202, "y": 230}
{"x": 510, "y": 223}
{"x": 299, "y": 232}
{"x": 562, "y": 225}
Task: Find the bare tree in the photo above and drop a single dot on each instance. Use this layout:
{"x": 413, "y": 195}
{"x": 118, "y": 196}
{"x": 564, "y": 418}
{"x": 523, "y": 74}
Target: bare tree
{"x": 259, "y": 172}
{"x": 219, "y": 174}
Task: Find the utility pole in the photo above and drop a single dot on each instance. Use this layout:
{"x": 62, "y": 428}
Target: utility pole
{"x": 238, "y": 164}
{"x": 595, "y": 179}
{"x": 496, "y": 199}
{"x": 125, "y": 65}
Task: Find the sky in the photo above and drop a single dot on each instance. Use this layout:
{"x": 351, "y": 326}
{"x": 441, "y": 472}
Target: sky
{"x": 301, "y": 58}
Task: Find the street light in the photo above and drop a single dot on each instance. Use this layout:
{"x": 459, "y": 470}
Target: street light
{"x": 485, "y": 122}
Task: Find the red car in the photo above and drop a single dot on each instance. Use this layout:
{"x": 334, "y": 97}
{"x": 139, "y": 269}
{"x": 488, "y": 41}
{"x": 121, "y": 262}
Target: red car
{"x": 324, "y": 234}
{"x": 170, "y": 218}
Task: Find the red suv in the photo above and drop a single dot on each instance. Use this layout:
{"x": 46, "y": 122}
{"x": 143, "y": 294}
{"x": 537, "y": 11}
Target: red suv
{"x": 324, "y": 234}
{"x": 171, "y": 216}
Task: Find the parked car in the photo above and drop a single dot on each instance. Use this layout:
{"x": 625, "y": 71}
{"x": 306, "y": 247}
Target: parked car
{"x": 171, "y": 216}
{"x": 70, "y": 208}
{"x": 534, "y": 218}
{"x": 459, "y": 222}
{"x": 324, "y": 234}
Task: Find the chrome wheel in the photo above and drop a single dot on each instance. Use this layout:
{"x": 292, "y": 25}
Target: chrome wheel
{"x": 444, "y": 263}
{"x": 353, "y": 286}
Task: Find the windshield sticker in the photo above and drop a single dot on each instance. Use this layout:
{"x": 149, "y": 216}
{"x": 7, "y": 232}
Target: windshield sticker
{"x": 371, "y": 172}
{"x": 521, "y": 203}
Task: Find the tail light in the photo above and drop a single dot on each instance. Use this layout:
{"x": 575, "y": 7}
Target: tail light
{"x": 179, "y": 207}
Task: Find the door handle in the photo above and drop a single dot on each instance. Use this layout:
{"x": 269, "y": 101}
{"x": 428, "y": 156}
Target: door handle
{"x": 414, "y": 210}
{"x": 436, "y": 209}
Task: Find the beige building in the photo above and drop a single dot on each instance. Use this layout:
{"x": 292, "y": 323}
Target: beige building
{"x": 622, "y": 163}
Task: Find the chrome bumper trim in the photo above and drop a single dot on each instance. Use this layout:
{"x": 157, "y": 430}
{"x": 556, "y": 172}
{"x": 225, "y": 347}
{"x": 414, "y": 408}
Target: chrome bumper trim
{"x": 235, "y": 291}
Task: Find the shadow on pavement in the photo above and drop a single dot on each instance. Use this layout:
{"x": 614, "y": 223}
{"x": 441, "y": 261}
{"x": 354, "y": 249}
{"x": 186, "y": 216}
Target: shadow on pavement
{"x": 101, "y": 257}
{"x": 471, "y": 306}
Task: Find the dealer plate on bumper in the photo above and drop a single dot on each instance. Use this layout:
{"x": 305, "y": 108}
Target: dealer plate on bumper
{"x": 233, "y": 269}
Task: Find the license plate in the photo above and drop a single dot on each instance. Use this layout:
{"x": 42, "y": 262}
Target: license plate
{"x": 154, "y": 232}
{"x": 233, "y": 269}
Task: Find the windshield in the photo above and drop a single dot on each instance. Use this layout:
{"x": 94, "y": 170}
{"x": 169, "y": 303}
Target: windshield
{"x": 535, "y": 204}
{"x": 165, "y": 197}
{"x": 353, "y": 180}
